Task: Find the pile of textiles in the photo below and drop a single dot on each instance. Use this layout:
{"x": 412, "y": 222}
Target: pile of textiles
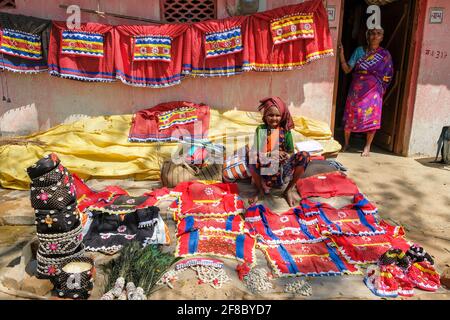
{"x": 355, "y": 229}
{"x": 158, "y": 56}
{"x": 58, "y": 224}
{"x": 209, "y": 222}
{"x": 114, "y": 218}
{"x": 171, "y": 121}
{"x": 399, "y": 271}
{"x": 99, "y": 146}
{"x": 318, "y": 239}
{"x": 294, "y": 247}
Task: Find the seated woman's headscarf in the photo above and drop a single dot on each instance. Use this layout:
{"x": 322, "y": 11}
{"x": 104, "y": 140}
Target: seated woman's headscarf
{"x": 287, "y": 123}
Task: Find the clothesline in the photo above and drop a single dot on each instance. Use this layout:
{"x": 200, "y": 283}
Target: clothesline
{"x": 116, "y": 15}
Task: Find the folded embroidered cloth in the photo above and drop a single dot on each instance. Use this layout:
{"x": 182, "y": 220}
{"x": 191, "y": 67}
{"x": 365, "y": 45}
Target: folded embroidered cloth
{"x": 170, "y": 121}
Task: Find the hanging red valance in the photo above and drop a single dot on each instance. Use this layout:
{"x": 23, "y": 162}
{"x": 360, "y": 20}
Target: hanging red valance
{"x": 158, "y": 56}
{"x": 82, "y": 54}
{"x": 288, "y": 37}
{"x": 150, "y": 56}
{"x": 216, "y": 47}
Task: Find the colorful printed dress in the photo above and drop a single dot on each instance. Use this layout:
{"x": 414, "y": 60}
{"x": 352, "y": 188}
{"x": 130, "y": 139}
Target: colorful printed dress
{"x": 371, "y": 77}
{"x": 268, "y": 140}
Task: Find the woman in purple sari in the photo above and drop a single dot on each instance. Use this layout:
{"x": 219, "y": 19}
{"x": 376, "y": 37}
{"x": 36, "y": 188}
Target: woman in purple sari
{"x": 372, "y": 73}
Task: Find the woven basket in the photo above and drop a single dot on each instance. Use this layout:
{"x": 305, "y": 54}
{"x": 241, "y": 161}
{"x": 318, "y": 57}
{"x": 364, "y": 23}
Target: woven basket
{"x": 172, "y": 174}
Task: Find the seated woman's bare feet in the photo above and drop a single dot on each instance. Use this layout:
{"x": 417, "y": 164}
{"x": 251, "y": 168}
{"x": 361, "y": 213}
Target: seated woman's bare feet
{"x": 289, "y": 196}
{"x": 366, "y": 152}
{"x": 345, "y": 148}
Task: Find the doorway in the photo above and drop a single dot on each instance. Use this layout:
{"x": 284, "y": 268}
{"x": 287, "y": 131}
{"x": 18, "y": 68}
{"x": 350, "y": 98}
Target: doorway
{"x": 397, "y": 20}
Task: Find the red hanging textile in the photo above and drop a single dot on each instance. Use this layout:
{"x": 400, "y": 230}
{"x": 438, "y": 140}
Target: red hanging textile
{"x": 287, "y": 38}
{"x": 23, "y": 43}
{"x": 216, "y": 47}
{"x": 150, "y": 56}
{"x": 82, "y": 54}
{"x": 170, "y": 121}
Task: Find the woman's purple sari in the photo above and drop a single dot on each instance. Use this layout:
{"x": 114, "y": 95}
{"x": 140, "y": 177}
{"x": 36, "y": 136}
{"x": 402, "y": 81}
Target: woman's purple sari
{"x": 371, "y": 77}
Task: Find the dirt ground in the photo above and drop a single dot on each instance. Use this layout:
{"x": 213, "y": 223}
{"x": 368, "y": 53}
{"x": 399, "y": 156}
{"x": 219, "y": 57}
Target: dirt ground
{"x": 409, "y": 192}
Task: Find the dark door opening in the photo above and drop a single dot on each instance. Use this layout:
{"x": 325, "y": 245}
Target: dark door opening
{"x": 397, "y": 21}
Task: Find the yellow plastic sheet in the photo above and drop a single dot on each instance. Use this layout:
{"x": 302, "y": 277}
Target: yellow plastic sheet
{"x": 99, "y": 147}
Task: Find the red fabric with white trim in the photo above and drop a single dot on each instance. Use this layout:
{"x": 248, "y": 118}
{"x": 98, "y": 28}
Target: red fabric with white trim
{"x": 82, "y": 67}
{"x": 206, "y": 198}
{"x": 146, "y": 125}
{"x": 212, "y": 224}
{"x": 327, "y": 185}
{"x": 310, "y": 259}
{"x": 424, "y": 276}
{"x": 199, "y": 63}
{"x": 262, "y": 54}
{"x": 285, "y": 226}
{"x": 148, "y": 73}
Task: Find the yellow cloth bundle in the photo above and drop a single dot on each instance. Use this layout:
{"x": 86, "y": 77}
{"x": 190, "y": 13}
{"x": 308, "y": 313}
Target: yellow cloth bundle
{"x": 99, "y": 147}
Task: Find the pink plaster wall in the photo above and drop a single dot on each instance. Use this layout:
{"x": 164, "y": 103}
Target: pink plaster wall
{"x": 432, "y": 106}
{"x": 308, "y": 91}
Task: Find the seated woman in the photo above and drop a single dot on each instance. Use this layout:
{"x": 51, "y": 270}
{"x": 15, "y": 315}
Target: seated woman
{"x": 273, "y": 161}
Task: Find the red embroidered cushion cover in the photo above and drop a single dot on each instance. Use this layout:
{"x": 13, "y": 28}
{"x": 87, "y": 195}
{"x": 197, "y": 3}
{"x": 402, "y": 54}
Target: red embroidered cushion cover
{"x": 215, "y": 243}
{"x": 307, "y": 259}
{"x": 271, "y": 228}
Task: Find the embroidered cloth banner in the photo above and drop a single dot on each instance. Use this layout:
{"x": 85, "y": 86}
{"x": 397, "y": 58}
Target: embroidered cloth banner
{"x": 83, "y": 54}
{"x": 290, "y": 28}
{"x": 150, "y": 56}
{"x": 21, "y": 44}
{"x": 82, "y": 43}
{"x": 156, "y": 48}
{"x": 24, "y": 43}
{"x": 287, "y": 38}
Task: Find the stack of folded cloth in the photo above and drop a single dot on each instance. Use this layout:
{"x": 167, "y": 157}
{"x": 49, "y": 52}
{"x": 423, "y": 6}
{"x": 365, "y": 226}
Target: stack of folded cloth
{"x": 58, "y": 223}
{"x": 397, "y": 273}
